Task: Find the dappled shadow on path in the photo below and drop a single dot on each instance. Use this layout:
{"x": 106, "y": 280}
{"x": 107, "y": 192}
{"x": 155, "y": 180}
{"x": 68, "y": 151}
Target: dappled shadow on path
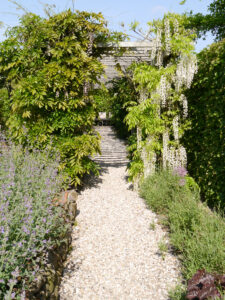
{"x": 113, "y": 155}
{"x": 91, "y": 180}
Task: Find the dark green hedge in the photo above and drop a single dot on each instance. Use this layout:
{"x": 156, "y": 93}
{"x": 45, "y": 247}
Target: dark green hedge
{"x": 205, "y": 141}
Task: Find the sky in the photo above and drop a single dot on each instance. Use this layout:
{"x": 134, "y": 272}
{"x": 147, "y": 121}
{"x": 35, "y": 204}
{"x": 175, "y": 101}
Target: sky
{"x": 115, "y": 11}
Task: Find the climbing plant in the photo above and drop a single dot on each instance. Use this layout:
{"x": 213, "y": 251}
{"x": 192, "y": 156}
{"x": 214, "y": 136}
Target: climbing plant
{"x": 160, "y": 117}
{"x": 48, "y": 66}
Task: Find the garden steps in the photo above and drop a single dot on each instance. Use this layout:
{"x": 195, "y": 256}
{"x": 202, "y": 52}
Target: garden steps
{"x": 115, "y": 255}
{"x": 113, "y": 150}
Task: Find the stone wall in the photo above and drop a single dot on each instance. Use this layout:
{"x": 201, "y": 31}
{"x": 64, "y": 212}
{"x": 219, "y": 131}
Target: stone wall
{"x": 134, "y": 51}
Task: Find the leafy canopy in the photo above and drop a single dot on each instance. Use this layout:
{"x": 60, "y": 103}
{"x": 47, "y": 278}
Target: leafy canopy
{"x": 48, "y": 66}
{"x": 214, "y": 21}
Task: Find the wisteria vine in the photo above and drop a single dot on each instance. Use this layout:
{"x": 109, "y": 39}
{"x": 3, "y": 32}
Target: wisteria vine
{"x": 161, "y": 117}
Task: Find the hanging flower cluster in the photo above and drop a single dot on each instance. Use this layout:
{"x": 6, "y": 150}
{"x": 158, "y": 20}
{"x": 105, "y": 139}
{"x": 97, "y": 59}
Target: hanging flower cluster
{"x": 156, "y": 53}
{"x": 163, "y": 89}
{"x": 184, "y": 101}
{"x": 149, "y": 160}
{"x": 186, "y": 69}
{"x": 167, "y": 37}
{"x": 176, "y": 157}
{"x": 173, "y": 66}
{"x": 176, "y": 127}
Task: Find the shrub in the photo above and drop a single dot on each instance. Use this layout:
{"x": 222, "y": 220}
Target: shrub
{"x": 49, "y": 66}
{"x": 29, "y": 223}
{"x": 198, "y": 236}
{"x": 205, "y": 140}
{"x": 196, "y": 233}
{"x": 162, "y": 189}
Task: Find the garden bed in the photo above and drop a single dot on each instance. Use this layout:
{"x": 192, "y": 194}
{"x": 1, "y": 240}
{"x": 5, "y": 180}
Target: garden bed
{"x": 35, "y": 223}
{"x": 197, "y": 234}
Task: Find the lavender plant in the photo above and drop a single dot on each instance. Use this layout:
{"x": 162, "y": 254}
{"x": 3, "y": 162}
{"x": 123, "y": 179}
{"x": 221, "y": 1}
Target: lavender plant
{"x": 29, "y": 223}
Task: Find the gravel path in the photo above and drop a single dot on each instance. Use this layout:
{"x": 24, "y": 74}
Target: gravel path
{"x": 115, "y": 253}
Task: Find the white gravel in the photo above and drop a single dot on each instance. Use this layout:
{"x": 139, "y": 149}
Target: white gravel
{"x": 115, "y": 253}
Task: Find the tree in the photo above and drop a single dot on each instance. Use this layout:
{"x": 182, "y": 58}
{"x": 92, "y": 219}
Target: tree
{"x": 214, "y": 21}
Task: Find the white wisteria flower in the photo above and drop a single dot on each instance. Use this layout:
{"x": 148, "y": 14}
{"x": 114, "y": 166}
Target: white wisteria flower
{"x": 167, "y": 36}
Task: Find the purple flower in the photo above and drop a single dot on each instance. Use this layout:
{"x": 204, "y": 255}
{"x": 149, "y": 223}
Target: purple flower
{"x": 15, "y": 274}
{"x": 180, "y": 171}
{"x": 25, "y": 230}
{"x": 11, "y": 282}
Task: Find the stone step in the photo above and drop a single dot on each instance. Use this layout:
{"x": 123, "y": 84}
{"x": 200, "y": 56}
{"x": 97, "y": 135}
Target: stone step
{"x": 113, "y": 150}
{"x": 110, "y": 158}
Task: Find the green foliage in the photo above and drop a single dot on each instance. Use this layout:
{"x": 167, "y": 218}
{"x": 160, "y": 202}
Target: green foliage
{"x": 102, "y": 100}
{"x": 196, "y": 233}
{"x": 122, "y": 95}
{"x": 74, "y": 156}
{"x": 162, "y": 189}
{"x": 205, "y": 140}
{"x": 199, "y": 236}
{"x": 152, "y": 226}
{"x": 149, "y": 115}
{"x": 163, "y": 248}
{"x": 135, "y": 165}
{"x": 4, "y": 107}
{"x": 213, "y": 21}
{"x": 178, "y": 293}
{"x": 30, "y": 225}
{"x": 47, "y": 66}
